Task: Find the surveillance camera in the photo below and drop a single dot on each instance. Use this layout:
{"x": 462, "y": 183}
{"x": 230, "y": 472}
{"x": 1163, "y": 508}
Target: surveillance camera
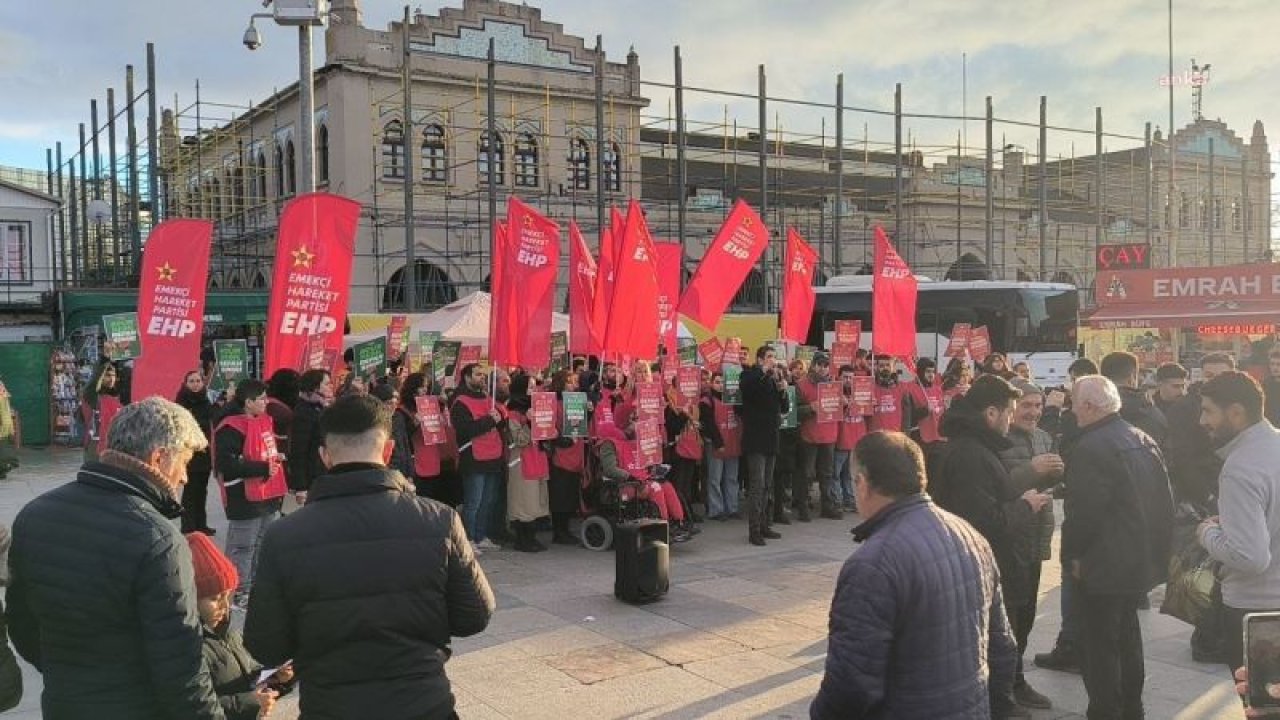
{"x": 252, "y": 38}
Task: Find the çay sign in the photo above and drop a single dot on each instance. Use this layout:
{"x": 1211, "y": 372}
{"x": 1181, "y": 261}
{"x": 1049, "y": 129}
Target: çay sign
{"x": 1128, "y": 256}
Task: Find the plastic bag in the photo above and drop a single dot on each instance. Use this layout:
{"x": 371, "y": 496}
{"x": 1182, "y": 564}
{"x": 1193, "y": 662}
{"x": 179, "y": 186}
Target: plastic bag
{"x": 1192, "y": 575}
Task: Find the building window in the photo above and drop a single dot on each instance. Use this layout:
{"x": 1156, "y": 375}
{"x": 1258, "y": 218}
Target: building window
{"x": 280, "y": 174}
{"x": 393, "y": 150}
{"x": 1184, "y": 211}
{"x": 260, "y": 178}
{"x": 322, "y": 148}
{"x": 291, "y": 159}
{"x": 498, "y": 159}
{"x": 579, "y": 164}
{"x": 15, "y": 253}
{"x": 215, "y": 200}
{"x": 613, "y": 168}
{"x": 1236, "y": 214}
{"x": 235, "y": 189}
{"x": 526, "y": 160}
{"x": 435, "y": 156}
{"x": 1218, "y": 213}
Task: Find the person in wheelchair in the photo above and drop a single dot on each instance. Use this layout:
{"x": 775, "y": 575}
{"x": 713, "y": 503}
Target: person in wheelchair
{"x": 619, "y": 463}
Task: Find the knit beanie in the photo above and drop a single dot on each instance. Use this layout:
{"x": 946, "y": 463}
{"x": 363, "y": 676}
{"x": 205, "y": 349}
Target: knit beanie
{"x": 1026, "y": 387}
{"x": 214, "y": 572}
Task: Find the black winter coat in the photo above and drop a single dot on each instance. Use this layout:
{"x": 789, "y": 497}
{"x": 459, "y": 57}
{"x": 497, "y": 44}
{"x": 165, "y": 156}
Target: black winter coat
{"x": 1141, "y": 413}
{"x": 914, "y": 609}
{"x": 102, "y": 600}
{"x": 1271, "y": 390}
{"x": 305, "y": 439}
{"x": 967, "y": 478}
{"x": 364, "y": 587}
{"x": 231, "y": 464}
{"x": 1191, "y": 456}
{"x": 234, "y": 672}
{"x": 1119, "y": 512}
{"x": 763, "y": 406}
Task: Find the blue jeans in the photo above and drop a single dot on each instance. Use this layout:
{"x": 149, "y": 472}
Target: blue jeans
{"x": 722, "y": 485}
{"x": 244, "y": 538}
{"x": 479, "y": 494}
{"x": 844, "y": 474}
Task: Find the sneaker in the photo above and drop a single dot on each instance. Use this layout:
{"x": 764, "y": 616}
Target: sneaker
{"x": 475, "y": 550}
{"x": 768, "y": 534}
{"x": 756, "y": 540}
{"x": 1026, "y": 696}
{"x": 487, "y": 544}
{"x": 680, "y": 536}
{"x": 1058, "y": 659}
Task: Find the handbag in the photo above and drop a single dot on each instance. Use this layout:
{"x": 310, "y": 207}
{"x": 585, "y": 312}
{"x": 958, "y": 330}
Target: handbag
{"x": 1192, "y": 576}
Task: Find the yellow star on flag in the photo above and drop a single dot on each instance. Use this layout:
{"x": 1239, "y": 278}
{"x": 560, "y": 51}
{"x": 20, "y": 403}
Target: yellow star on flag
{"x": 167, "y": 272}
{"x": 302, "y": 257}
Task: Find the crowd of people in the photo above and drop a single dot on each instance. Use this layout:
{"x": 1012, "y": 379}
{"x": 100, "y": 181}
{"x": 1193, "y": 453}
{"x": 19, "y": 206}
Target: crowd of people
{"x": 953, "y": 475}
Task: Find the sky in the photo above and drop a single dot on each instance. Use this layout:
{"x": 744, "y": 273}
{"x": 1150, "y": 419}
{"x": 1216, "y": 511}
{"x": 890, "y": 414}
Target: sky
{"x": 57, "y": 54}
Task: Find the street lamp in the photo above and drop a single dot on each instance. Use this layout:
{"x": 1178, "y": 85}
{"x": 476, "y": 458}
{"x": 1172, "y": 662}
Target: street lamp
{"x": 304, "y": 15}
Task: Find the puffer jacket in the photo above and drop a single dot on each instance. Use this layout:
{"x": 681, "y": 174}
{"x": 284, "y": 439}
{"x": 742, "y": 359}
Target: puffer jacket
{"x": 363, "y": 588}
{"x": 102, "y": 600}
{"x": 1119, "y": 511}
{"x": 1017, "y": 460}
{"x": 1143, "y": 414}
{"x": 966, "y": 477}
{"x": 233, "y": 670}
{"x": 918, "y": 627}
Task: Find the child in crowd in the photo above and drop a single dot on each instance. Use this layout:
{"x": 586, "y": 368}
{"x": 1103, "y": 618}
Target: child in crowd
{"x": 233, "y": 671}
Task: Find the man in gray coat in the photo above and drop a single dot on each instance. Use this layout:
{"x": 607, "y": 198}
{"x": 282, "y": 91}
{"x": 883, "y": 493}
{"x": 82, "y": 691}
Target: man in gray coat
{"x": 1245, "y": 537}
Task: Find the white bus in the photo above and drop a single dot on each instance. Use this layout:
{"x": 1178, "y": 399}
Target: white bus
{"x": 1028, "y": 321}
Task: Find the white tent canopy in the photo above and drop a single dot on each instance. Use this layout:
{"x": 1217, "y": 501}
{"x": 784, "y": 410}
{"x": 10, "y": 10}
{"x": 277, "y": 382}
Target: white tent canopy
{"x": 465, "y": 320}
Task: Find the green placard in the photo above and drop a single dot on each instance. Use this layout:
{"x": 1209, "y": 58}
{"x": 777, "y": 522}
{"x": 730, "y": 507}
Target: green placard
{"x": 232, "y": 358}
{"x": 444, "y": 359}
{"x": 559, "y": 351}
{"x": 371, "y": 357}
{"x": 688, "y": 354}
{"x": 123, "y": 340}
{"x": 427, "y": 340}
{"x": 790, "y": 419}
{"x": 805, "y": 353}
{"x": 575, "y": 414}
{"x": 732, "y": 386}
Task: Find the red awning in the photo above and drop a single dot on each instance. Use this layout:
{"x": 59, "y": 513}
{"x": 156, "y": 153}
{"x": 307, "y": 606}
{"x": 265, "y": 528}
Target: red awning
{"x": 1186, "y": 313}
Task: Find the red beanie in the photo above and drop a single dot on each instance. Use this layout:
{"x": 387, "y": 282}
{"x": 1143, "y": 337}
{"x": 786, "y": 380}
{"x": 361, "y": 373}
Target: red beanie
{"x": 214, "y": 572}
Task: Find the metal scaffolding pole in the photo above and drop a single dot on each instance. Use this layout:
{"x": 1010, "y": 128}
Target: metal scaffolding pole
{"x": 599, "y": 70}
{"x": 48, "y": 185}
{"x": 1099, "y": 180}
{"x": 135, "y": 210}
{"x": 1244, "y": 206}
{"x": 83, "y": 207}
{"x": 491, "y": 126}
{"x": 1211, "y": 205}
{"x": 99, "y": 241}
{"x": 153, "y": 146}
{"x": 989, "y": 247}
{"x": 763, "y": 160}
{"x": 682, "y": 168}
{"x": 1044, "y": 188}
{"x": 307, "y": 109}
{"x": 409, "y": 276}
{"x": 837, "y": 248}
{"x": 112, "y": 159}
{"x": 62, "y": 216}
{"x": 1146, "y": 141}
{"x": 73, "y": 248}
{"x": 897, "y": 174}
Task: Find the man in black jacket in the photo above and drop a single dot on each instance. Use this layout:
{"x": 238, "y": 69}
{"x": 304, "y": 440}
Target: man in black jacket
{"x": 969, "y": 480}
{"x": 1121, "y": 368}
{"x": 764, "y": 400}
{"x": 102, "y": 595}
{"x": 1189, "y": 451}
{"x": 365, "y": 586}
{"x": 1115, "y": 542}
{"x": 315, "y": 393}
{"x": 1271, "y": 388}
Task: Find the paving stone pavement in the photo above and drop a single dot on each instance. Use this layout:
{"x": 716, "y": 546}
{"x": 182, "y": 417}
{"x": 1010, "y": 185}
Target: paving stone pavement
{"x": 742, "y": 633}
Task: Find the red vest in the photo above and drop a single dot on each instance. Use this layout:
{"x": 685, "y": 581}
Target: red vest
{"x": 572, "y": 458}
{"x": 852, "y": 429}
{"x": 533, "y": 461}
{"x": 259, "y": 446}
{"x": 108, "y": 407}
{"x": 487, "y": 446}
{"x": 426, "y": 458}
{"x": 930, "y": 397}
{"x": 628, "y": 458}
{"x": 888, "y": 408}
{"x": 730, "y": 429}
{"x": 812, "y": 431}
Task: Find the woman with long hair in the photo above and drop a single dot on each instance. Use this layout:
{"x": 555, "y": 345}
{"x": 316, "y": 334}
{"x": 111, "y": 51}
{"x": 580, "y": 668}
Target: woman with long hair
{"x": 195, "y": 494}
{"x": 568, "y": 458}
{"x": 99, "y": 403}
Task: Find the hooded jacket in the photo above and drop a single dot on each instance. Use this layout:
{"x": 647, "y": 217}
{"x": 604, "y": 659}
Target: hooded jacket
{"x": 968, "y": 479}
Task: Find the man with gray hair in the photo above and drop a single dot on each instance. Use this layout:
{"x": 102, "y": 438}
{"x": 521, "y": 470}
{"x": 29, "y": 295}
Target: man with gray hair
{"x": 1115, "y": 543}
{"x": 102, "y": 597}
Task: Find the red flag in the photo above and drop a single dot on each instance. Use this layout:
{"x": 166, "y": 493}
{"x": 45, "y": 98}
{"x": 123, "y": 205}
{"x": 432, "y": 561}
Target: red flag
{"x": 527, "y": 292}
{"x": 583, "y": 339}
{"x": 670, "y": 261}
{"x": 633, "y": 319}
{"x": 893, "y": 302}
{"x": 171, "y": 295}
{"x": 730, "y": 258}
{"x": 606, "y": 275}
{"x": 797, "y": 289}
{"x": 315, "y": 248}
{"x": 499, "y": 318}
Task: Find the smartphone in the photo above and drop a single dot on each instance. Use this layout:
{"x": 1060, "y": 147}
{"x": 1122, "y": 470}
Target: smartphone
{"x": 1262, "y": 657}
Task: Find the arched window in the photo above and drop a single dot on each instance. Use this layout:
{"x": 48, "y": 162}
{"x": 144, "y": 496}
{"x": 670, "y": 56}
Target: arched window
{"x": 495, "y": 158}
{"x": 613, "y": 168}
{"x": 291, "y": 161}
{"x": 393, "y": 150}
{"x": 322, "y": 152}
{"x": 579, "y": 164}
{"x": 280, "y": 174}
{"x": 526, "y": 160}
{"x": 752, "y": 294}
{"x": 432, "y": 288}
{"x": 435, "y": 156}
{"x": 260, "y": 178}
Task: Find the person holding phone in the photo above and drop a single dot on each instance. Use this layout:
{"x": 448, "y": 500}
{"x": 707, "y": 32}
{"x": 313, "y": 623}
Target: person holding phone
{"x": 1245, "y": 536}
